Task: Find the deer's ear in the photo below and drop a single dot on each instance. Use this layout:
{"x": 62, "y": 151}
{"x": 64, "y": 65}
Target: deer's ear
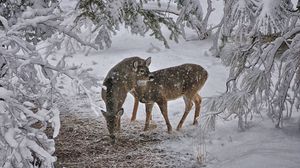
{"x": 135, "y": 65}
{"x": 148, "y": 61}
{"x": 120, "y": 112}
{"x": 104, "y": 113}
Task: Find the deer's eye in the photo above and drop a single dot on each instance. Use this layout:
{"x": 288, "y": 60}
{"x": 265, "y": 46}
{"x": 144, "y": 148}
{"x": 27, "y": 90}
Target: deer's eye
{"x": 142, "y": 71}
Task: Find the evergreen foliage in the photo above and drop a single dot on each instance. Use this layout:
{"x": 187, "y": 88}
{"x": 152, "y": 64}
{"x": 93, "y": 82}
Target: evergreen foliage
{"x": 108, "y": 16}
{"x": 142, "y": 17}
{"x": 30, "y": 85}
{"x": 264, "y": 72}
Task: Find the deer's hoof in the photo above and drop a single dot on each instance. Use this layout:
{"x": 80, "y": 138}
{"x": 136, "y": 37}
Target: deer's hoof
{"x": 195, "y": 122}
{"x": 153, "y": 126}
{"x": 133, "y": 121}
{"x": 113, "y": 139}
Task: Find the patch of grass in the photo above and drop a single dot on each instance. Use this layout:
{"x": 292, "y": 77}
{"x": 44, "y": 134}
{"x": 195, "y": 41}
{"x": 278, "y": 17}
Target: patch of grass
{"x": 84, "y": 142}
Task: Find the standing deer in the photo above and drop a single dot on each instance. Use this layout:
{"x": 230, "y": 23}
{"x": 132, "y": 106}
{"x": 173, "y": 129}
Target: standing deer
{"x": 120, "y": 80}
{"x": 171, "y": 83}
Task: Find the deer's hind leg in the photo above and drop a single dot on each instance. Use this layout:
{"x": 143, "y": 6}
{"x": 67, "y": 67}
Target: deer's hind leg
{"x": 163, "y": 106}
{"x": 188, "y": 106}
{"x": 197, "y": 100}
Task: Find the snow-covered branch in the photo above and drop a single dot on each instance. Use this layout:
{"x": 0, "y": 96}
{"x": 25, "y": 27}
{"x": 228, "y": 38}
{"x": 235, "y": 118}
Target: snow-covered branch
{"x": 261, "y": 79}
{"x": 29, "y": 84}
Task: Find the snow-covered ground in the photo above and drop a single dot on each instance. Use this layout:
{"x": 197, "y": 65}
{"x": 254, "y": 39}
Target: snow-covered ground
{"x": 260, "y": 146}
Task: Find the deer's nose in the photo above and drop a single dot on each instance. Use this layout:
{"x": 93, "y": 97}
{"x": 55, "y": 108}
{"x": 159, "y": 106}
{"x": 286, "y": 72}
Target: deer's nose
{"x": 151, "y": 77}
{"x": 112, "y": 136}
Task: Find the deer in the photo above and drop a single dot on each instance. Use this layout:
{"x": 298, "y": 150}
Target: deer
{"x": 171, "y": 83}
{"x": 120, "y": 80}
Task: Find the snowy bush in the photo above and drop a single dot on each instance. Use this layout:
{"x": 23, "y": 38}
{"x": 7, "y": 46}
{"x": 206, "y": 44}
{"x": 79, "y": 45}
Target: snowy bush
{"x": 264, "y": 61}
{"x": 142, "y": 17}
{"x": 191, "y": 15}
{"x": 261, "y": 79}
{"x": 108, "y": 16}
{"x": 23, "y": 145}
{"x": 19, "y": 11}
{"x": 30, "y": 85}
{"x": 246, "y": 19}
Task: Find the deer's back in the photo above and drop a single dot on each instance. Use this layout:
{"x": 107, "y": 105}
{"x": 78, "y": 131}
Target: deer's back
{"x": 174, "y": 82}
{"x": 121, "y": 73}
{"x": 121, "y": 76}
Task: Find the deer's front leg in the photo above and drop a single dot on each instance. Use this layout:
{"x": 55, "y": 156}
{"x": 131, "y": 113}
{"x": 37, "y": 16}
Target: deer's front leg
{"x": 118, "y": 126}
{"x": 163, "y": 105}
{"x": 135, "y": 108}
{"x": 149, "y": 107}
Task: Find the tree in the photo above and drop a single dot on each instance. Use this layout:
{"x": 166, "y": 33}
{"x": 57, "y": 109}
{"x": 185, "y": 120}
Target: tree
{"x": 244, "y": 20}
{"x": 141, "y": 17}
{"x": 29, "y": 84}
{"x": 264, "y": 75}
{"x": 191, "y": 15}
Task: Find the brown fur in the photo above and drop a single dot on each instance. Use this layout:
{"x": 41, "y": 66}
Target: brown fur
{"x": 121, "y": 79}
{"x": 171, "y": 83}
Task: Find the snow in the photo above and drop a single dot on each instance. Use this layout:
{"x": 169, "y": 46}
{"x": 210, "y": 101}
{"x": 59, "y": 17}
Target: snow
{"x": 5, "y": 94}
{"x": 266, "y": 21}
{"x": 29, "y": 104}
{"x": 55, "y": 122}
{"x": 10, "y": 137}
{"x": 142, "y": 82}
{"x": 32, "y": 145}
{"x": 261, "y": 146}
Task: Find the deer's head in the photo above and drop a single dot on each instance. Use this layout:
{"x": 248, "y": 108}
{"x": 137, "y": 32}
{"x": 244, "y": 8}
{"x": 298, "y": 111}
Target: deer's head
{"x": 141, "y": 70}
{"x": 113, "y": 121}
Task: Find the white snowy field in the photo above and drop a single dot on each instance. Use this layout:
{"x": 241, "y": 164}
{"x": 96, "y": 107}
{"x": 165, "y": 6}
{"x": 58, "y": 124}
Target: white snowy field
{"x": 261, "y": 146}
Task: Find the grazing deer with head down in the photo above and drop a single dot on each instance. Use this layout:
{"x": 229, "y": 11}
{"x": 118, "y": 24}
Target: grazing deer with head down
{"x": 171, "y": 83}
{"x": 120, "y": 80}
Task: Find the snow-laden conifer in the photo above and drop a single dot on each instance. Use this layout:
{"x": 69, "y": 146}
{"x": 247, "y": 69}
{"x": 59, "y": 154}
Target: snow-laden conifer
{"x": 264, "y": 74}
{"x": 244, "y": 20}
{"x": 30, "y": 84}
{"x": 144, "y": 17}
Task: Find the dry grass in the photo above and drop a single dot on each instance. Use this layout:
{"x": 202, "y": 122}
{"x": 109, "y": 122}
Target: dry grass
{"x": 83, "y": 142}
